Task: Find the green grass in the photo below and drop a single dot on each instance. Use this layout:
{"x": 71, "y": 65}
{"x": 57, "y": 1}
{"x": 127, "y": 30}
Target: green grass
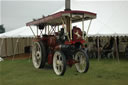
{"x": 104, "y": 72}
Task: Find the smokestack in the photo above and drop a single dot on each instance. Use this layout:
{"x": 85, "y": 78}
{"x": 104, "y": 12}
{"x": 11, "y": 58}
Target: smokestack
{"x": 67, "y": 5}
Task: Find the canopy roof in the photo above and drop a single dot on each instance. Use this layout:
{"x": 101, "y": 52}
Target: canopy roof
{"x": 56, "y": 19}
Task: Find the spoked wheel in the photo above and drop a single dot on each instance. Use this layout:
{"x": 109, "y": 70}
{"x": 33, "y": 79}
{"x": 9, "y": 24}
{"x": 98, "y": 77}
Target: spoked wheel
{"x": 59, "y": 63}
{"x": 83, "y": 62}
{"x": 38, "y": 54}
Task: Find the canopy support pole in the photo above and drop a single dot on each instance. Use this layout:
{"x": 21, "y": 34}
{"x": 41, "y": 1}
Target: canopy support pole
{"x": 70, "y": 26}
{"x": 58, "y": 28}
{"x": 88, "y": 28}
{"x": 37, "y": 30}
{"x": 48, "y": 29}
{"x": 83, "y": 27}
{"x": 65, "y": 31}
{"x": 45, "y": 29}
{"x": 32, "y": 31}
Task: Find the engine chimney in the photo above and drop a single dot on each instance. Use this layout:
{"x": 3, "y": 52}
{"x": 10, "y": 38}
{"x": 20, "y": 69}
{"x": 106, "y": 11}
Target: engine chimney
{"x": 67, "y": 5}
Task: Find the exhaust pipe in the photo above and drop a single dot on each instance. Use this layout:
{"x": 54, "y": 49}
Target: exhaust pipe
{"x": 67, "y": 5}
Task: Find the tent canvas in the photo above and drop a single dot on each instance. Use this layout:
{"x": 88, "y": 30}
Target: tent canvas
{"x": 20, "y": 32}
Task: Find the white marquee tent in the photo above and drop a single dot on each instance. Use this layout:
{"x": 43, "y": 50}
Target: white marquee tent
{"x": 19, "y": 33}
{"x": 15, "y": 41}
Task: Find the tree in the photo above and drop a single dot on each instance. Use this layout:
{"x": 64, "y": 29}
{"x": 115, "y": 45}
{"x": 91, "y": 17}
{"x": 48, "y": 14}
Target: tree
{"x": 2, "y": 29}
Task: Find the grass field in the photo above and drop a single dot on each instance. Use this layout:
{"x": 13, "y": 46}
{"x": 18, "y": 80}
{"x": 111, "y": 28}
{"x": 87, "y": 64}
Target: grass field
{"x": 104, "y": 72}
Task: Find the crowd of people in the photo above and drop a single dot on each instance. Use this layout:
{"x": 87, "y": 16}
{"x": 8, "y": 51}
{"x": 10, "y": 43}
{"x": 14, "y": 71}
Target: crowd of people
{"x": 106, "y": 50}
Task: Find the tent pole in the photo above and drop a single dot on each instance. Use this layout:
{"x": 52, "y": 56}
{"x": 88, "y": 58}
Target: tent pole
{"x": 28, "y": 41}
{"x": 98, "y": 48}
{"x": 6, "y": 47}
{"x": 30, "y": 55}
{"x": 12, "y": 46}
{"x": 116, "y": 48}
{"x": 15, "y": 48}
{"x": 1, "y": 46}
{"x": 18, "y": 46}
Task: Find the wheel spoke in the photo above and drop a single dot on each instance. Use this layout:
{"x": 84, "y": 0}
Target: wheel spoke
{"x": 60, "y": 68}
{"x": 57, "y": 67}
{"x": 59, "y": 57}
{"x": 78, "y": 58}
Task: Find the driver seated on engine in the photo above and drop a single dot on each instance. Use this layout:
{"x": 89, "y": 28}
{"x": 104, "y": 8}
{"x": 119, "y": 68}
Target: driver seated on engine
{"x": 61, "y": 34}
{"x": 77, "y": 33}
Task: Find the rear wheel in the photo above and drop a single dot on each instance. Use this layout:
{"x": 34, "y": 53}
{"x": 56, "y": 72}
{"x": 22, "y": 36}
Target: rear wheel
{"x": 38, "y": 55}
{"x": 83, "y": 61}
{"x": 59, "y": 63}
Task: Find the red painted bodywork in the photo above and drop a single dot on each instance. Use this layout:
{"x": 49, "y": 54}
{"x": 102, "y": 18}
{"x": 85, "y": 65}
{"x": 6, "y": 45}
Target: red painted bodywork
{"x": 50, "y": 58}
{"x": 73, "y": 42}
{"x": 50, "y": 42}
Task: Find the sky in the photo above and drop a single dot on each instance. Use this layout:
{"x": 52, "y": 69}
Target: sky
{"x": 16, "y": 13}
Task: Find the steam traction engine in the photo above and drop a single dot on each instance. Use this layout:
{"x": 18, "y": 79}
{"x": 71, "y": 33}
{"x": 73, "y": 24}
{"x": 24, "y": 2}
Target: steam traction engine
{"x": 60, "y": 44}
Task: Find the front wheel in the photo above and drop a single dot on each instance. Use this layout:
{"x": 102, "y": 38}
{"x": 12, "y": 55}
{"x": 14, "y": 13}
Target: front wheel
{"x": 83, "y": 61}
{"x": 59, "y": 63}
{"x": 38, "y": 54}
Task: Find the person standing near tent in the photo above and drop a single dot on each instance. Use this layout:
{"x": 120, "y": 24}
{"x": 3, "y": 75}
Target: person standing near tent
{"x": 108, "y": 48}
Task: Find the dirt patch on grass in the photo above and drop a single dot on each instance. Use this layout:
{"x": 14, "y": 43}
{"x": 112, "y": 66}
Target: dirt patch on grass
{"x": 19, "y": 56}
